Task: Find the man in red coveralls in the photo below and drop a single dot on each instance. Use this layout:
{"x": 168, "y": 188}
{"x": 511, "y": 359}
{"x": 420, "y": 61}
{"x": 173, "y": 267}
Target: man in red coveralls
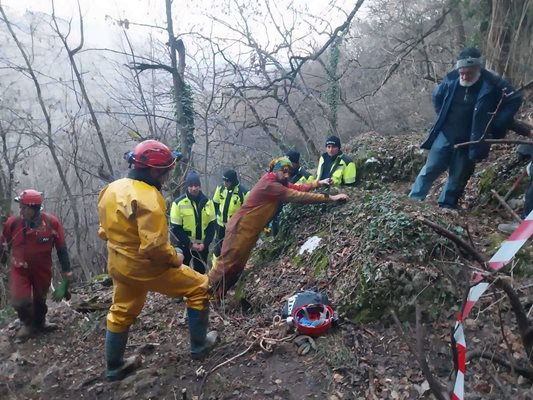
{"x": 29, "y": 238}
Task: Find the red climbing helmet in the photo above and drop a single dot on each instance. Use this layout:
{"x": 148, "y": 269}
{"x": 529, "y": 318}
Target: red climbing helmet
{"x": 313, "y": 319}
{"x": 152, "y": 154}
{"x": 30, "y": 197}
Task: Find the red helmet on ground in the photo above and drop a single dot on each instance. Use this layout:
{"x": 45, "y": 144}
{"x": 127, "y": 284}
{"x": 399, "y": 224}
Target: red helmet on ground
{"x": 152, "y": 154}
{"x": 313, "y": 319}
{"x": 30, "y": 197}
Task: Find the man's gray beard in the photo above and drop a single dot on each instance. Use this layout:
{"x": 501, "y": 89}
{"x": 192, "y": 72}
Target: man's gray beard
{"x": 472, "y": 82}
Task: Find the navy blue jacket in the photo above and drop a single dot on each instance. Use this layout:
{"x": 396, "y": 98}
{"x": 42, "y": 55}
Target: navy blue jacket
{"x": 491, "y": 91}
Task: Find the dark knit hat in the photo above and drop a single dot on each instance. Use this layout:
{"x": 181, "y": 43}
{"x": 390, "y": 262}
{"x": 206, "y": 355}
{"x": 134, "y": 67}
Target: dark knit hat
{"x": 192, "y": 179}
{"x": 469, "y": 57}
{"x": 334, "y": 141}
{"x": 294, "y": 156}
{"x": 231, "y": 176}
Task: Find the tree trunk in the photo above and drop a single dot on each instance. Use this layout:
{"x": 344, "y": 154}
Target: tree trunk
{"x": 177, "y": 83}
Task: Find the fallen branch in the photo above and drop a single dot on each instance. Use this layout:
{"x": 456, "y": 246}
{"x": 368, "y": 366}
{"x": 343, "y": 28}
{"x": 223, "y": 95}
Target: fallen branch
{"x": 506, "y": 206}
{"x": 500, "y": 360}
{"x": 480, "y": 258}
{"x": 521, "y": 128}
{"x": 524, "y": 325}
{"x": 371, "y": 389}
{"x": 418, "y": 352}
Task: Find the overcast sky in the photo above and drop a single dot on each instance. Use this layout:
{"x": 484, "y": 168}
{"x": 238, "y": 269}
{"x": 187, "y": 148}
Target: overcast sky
{"x": 93, "y": 10}
{"x": 188, "y": 13}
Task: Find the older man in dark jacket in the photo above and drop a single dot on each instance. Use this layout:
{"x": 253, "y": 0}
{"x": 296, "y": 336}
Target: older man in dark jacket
{"x": 465, "y": 102}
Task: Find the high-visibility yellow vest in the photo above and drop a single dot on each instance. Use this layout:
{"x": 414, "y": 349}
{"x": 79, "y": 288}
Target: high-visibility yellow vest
{"x": 229, "y": 201}
{"x": 193, "y": 219}
{"x": 342, "y": 171}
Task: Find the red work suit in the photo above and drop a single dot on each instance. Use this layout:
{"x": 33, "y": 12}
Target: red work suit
{"x": 30, "y": 246}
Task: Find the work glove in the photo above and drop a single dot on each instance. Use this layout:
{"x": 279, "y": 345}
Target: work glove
{"x": 62, "y": 291}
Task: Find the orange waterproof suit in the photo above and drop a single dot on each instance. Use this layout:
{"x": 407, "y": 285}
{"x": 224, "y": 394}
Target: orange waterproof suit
{"x": 244, "y": 227}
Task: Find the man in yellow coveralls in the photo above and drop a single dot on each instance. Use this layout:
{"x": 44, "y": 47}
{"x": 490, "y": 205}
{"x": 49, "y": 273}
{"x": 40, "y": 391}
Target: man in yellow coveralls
{"x": 133, "y": 221}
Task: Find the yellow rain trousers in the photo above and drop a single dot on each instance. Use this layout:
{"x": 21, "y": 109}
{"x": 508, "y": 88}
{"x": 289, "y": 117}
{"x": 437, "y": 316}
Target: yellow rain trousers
{"x": 140, "y": 257}
{"x": 244, "y": 227}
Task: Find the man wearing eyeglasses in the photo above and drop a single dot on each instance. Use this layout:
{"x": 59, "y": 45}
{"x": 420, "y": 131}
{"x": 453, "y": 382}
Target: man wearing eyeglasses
{"x": 243, "y": 229}
{"x": 471, "y": 102}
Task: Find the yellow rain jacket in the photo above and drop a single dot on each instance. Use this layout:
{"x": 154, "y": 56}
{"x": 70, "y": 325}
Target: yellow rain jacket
{"x": 342, "y": 171}
{"x": 243, "y": 229}
{"x": 140, "y": 256}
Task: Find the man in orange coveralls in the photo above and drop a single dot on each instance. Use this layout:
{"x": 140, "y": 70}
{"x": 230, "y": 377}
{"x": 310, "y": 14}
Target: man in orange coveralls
{"x": 244, "y": 227}
{"x": 141, "y": 259}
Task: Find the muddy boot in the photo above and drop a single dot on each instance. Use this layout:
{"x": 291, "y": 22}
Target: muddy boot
{"x": 201, "y": 341}
{"x": 24, "y": 309}
{"x": 46, "y": 327}
{"x": 117, "y": 366}
{"x": 24, "y": 333}
{"x": 40, "y": 309}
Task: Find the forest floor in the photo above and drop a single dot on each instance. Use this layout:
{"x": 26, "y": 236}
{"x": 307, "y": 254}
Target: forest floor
{"x": 361, "y": 358}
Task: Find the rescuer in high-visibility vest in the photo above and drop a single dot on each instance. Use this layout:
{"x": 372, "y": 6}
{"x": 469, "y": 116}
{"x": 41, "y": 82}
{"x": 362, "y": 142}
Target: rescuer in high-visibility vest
{"x": 228, "y": 198}
{"x": 192, "y": 220}
{"x": 336, "y": 165}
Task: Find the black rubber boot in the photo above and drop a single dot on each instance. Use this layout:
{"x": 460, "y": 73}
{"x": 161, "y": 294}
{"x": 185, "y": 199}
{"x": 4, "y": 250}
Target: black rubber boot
{"x": 40, "y": 324}
{"x": 201, "y": 341}
{"x": 118, "y": 367}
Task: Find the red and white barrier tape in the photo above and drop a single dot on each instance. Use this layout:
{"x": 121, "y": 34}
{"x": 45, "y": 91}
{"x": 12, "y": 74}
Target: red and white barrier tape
{"x": 479, "y": 285}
